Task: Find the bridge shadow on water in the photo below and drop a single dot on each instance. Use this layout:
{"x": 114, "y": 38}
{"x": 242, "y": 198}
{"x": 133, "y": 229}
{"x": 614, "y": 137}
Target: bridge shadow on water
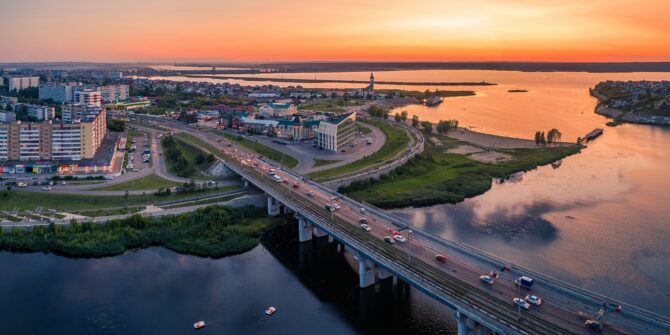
{"x": 388, "y": 307}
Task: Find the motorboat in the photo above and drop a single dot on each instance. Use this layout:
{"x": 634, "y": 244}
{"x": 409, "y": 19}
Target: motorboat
{"x": 271, "y": 310}
{"x": 199, "y": 325}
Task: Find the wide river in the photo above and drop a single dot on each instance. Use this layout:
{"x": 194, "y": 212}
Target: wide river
{"x": 600, "y": 220}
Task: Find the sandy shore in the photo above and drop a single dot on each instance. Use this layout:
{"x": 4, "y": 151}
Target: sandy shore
{"x": 494, "y": 141}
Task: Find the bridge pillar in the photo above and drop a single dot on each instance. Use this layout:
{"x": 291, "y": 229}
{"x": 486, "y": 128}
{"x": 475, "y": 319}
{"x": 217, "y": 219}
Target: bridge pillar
{"x": 273, "y": 207}
{"x": 304, "y": 229}
{"x": 480, "y": 329}
{"x": 461, "y": 321}
{"x": 383, "y": 273}
{"x": 366, "y": 272}
{"x": 318, "y": 232}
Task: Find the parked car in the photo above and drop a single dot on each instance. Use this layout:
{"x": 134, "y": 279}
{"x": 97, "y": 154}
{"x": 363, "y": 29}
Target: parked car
{"x": 521, "y": 303}
{"x": 47, "y": 188}
{"x": 365, "y": 227}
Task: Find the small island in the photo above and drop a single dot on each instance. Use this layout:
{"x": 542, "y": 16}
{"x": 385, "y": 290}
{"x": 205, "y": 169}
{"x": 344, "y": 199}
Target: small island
{"x": 645, "y": 102}
{"x": 517, "y": 91}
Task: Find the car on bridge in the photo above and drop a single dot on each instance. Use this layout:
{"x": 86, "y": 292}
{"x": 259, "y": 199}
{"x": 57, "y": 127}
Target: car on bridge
{"x": 441, "y": 258}
{"x": 365, "y": 227}
{"x": 310, "y": 194}
{"x": 389, "y": 239}
{"x": 487, "y": 279}
{"x": 521, "y": 303}
{"x": 400, "y": 238}
{"x": 594, "y": 325}
{"x": 363, "y": 220}
{"x": 533, "y": 299}
{"x": 330, "y": 207}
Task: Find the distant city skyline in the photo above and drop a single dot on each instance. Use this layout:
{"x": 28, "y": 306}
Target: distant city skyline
{"x": 345, "y": 30}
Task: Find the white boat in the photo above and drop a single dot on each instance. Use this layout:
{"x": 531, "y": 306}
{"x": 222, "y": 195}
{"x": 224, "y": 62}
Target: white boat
{"x": 199, "y": 325}
{"x": 271, "y": 310}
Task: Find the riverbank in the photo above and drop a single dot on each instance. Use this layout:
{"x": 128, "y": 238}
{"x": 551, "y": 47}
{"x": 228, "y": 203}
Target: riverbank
{"x": 642, "y": 112}
{"x": 208, "y": 232}
{"x": 449, "y": 174}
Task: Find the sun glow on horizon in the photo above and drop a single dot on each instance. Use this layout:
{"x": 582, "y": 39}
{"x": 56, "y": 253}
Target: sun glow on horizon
{"x": 294, "y": 30}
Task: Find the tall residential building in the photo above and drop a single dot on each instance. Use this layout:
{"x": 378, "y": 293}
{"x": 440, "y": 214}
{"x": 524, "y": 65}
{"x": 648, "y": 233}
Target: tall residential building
{"x": 7, "y": 116}
{"x": 58, "y": 92}
{"x": 114, "y": 93}
{"x": 17, "y": 83}
{"x": 77, "y": 112}
{"x": 52, "y": 141}
{"x": 88, "y": 97}
{"x": 334, "y": 133}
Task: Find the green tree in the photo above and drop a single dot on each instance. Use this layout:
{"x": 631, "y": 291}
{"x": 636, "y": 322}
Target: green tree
{"x": 537, "y": 138}
{"x": 397, "y": 117}
{"x": 553, "y": 136}
{"x": 415, "y": 121}
{"x": 403, "y": 115}
{"x": 427, "y": 126}
{"x": 543, "y": 139}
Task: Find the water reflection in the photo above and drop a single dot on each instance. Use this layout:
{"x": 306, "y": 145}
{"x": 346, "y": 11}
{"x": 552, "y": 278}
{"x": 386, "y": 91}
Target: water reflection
{"x": 157, "y": 291}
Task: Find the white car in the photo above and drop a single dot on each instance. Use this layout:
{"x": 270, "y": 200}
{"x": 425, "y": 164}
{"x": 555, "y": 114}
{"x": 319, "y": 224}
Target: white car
{"x": 521, "y": 303}
{"x": 533, "y": 299}
{"x": 109, "y": 177}
{"x": 487, "y": 279}
{"x": 337, "y": 206}
{"x": 365, "y": 227}
{"x": 48, "y": 188}
{"x": 400, "y": 238}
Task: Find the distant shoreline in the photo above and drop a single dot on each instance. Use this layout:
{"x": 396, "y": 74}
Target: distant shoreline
{"x": 313, "y": 81}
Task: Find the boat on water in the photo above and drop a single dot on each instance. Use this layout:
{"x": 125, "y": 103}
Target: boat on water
{"x": 593, "y": 134}
{"x": 199, "y": 325}
{"x": 271, "y": 310}
{"x": 433, "y": 101}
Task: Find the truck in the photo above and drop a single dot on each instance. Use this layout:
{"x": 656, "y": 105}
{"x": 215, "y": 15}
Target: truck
{"x": 524, "y": 282}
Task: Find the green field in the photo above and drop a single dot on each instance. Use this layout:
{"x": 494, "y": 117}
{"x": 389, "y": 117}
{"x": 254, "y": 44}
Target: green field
{"x": 150, "y": 182}
{"x": 396, "y": 142}
{"x": 322, "y": 162}
{"x": 261, "y": 149}
{"x": 435, "y": 177}
{"x": 73, "y": 202}
{"x": 210, "y": 232}
{"x": 328, "y": 105}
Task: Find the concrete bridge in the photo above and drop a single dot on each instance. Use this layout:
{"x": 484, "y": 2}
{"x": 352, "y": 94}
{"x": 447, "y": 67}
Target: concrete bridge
{"x": 479, "y": 308}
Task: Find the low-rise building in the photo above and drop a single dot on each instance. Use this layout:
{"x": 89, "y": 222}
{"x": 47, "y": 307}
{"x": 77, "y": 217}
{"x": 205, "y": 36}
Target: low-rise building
{"x": 277, "y": 110}
{"x": 259, "y": 126}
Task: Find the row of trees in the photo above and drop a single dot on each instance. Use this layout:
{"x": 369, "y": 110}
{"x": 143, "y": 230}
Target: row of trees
{"x": 552, "y": 136}
{"x": 379, "y": 112}
{"x": 444, "y": 126}
{"x": 177, "y": 161}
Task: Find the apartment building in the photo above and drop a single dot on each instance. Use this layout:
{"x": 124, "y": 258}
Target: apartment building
{"x": 58, "y": 92}
{"x": 17, "y": 83}
{"x": 47, "y": 141}
{"x": 114, "y": 93}
{"x": 88, "y": 97}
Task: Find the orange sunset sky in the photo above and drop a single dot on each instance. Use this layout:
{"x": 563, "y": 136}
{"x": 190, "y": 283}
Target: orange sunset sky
{"x": 294, "y": 30}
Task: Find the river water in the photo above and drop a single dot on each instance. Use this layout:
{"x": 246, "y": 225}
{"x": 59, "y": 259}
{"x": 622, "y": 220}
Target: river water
{"x": 600, "y": 220}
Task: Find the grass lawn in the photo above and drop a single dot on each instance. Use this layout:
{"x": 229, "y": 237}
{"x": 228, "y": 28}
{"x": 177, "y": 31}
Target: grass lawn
{"x": 363, "y": 129}
{"x": 436, "y": 177}
{"x": 150, "y": 182}
{"x": 322, "y": 162}
{"x": 261, "y": 149}
{"x": 396, "y": 142}
{"x": 190, "y": 153}
{"x": 73, "y": 202}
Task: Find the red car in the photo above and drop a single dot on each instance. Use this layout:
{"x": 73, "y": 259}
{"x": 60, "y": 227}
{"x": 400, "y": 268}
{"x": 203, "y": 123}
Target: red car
{"x": 394, "y": 232}
{"x": 441, "y": 258}
{"x": 296, "y": 185}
